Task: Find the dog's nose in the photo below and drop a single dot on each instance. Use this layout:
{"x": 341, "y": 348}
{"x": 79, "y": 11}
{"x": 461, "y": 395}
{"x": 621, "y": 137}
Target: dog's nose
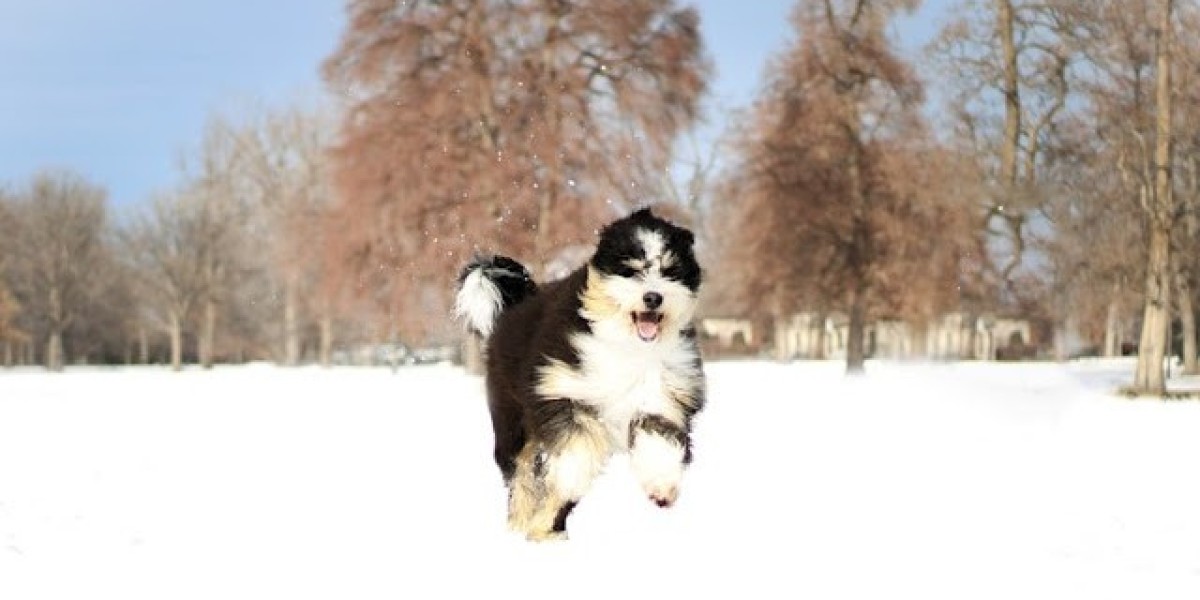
{"x": 653, "y": 300}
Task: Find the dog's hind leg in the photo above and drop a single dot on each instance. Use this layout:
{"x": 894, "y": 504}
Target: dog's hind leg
{"x": 527, "y": 490}
{"x": 554, "y": 473}
{"x": 509, "y": 439}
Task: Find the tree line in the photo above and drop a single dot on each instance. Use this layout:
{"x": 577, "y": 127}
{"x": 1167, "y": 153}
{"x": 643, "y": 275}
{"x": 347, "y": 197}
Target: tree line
{"x": 1055, "y": 181}
{"x": 224, "y": 266}
{"x": 1037, "y": 158}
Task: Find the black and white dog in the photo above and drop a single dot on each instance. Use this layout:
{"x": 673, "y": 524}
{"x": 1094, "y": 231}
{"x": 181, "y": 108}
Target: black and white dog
{"x": 604, "y": 360}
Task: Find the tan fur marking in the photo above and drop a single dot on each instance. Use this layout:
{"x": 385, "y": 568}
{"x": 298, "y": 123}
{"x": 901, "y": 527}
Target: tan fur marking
{"x": 597, "y": 302}
{"x": 525, "y": 491}
{"x": 534, "y": 501}
{"x": 590, "y": 440}
{"x": 672, "y": 411}
{"x": 683, "y": 388}
{"x": 556, "y": 379}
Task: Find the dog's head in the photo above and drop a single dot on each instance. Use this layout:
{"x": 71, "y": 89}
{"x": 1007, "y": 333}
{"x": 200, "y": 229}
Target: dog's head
{"x": 643, "y": 279}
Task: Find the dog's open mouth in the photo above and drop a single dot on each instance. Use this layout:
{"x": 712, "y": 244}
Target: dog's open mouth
{"x": 647, "y": 324}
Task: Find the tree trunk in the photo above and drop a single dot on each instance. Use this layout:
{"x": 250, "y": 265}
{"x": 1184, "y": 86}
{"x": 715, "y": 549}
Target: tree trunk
{"x": 1149, "y": 377}
{"x": 1185, "y": 263}
{"x": 1011, "y": 144}
{"x": 1112, "y": 325}
{"x": 54, "y": 351}
{"x": 143, "y": 347}
{"x": 54, "y": 348}
{"x": 779, "y": 325}
{"x": 1012, "y": 98}
{"x": 326, "y": 340}
{"x": 1187, "y": 322}
{"x": 291, "y": 329}
{"x": 855, "y": 346}
{"x": 1061, "y": 350}
{"x": 859, "y": 253}
{"x": 8, "y": 353}
{"x": 208, "y": 333}
{"x": 176, "y": 332}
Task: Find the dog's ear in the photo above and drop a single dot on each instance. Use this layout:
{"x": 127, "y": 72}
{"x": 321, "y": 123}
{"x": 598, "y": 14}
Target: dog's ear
{"x": 642, "y": 213}
{"x": 685, "y": 236}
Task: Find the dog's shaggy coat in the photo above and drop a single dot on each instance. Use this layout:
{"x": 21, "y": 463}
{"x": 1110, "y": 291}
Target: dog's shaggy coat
{"x": 604, "y": 360}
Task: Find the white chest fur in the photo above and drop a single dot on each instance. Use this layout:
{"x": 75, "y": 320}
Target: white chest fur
{"x": 622, "y": 378}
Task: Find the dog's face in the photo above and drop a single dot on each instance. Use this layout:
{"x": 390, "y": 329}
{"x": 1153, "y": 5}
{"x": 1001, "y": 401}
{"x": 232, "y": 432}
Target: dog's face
{"x": 643, "y": 279}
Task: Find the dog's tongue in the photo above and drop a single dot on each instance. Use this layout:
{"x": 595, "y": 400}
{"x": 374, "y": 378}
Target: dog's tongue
{"x": 647, "y": 326}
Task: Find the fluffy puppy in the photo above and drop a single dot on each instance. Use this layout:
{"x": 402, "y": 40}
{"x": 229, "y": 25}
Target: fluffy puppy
{"x": 602, "y": 361}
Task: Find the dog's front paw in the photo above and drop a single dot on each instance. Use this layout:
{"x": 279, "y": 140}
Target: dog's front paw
{"x": 546, "y": 536}
{"x": 658, "y": 465}
{"x": 665, "y": 496}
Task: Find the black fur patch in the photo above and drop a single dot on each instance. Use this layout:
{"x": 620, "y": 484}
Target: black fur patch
{"x": 660, "y": 426}
{"x": 619, "y": 244}
{"x": 560, "y": 520}
{"x": 525, "y": 337}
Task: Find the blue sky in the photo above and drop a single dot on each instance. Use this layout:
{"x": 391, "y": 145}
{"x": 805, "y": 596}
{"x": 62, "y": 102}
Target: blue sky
{"x": 117, "y": 89}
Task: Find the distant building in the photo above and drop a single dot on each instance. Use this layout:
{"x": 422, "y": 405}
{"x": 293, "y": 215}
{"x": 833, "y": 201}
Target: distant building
{"x": 810, "y": 335}
{"x": 729, "y": 332}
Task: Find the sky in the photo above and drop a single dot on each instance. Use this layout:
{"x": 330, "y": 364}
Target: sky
{"x": 117, "y": 90}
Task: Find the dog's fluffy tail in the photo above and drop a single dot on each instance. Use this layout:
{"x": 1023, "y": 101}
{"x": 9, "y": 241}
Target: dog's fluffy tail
{"x": 486, "y": 287}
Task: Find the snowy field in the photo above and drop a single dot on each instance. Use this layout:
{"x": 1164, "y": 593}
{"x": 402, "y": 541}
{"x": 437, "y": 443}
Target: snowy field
{"x": 962, "y": 481}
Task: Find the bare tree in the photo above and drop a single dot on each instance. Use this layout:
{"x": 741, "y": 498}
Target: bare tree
{"x": 1159, "y": 208}
{"x": 1092, "y": 247}
{"x": 691, "y": 185}
{"x": 1130, "y": 93}
{"x": 224, "y": 256}
{"x": 1009, "y": 63}
{"x": 475, "y": 125}
{"x": 161, "y": 243}
{"x": 10, "y": 334}
{"x": 60, "y": 223}
{"x": 216, "y": 198}
{"x": 834, "y": 187}
{"x": 282, "y": 156}
{"x": 1186, "y": 122}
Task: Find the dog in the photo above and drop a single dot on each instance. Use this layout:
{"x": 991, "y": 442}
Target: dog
{"x": 604, "y": 360}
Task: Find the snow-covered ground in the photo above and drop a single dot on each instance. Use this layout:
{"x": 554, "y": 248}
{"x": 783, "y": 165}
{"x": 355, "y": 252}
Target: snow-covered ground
{"x": 924, "y": 481}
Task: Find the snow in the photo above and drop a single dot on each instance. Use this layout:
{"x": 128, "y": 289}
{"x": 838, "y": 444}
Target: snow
{"x": 965, "y": 480}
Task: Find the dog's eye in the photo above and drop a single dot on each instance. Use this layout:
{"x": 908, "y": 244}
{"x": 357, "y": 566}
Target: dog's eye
{"x": 625, "y": 271}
